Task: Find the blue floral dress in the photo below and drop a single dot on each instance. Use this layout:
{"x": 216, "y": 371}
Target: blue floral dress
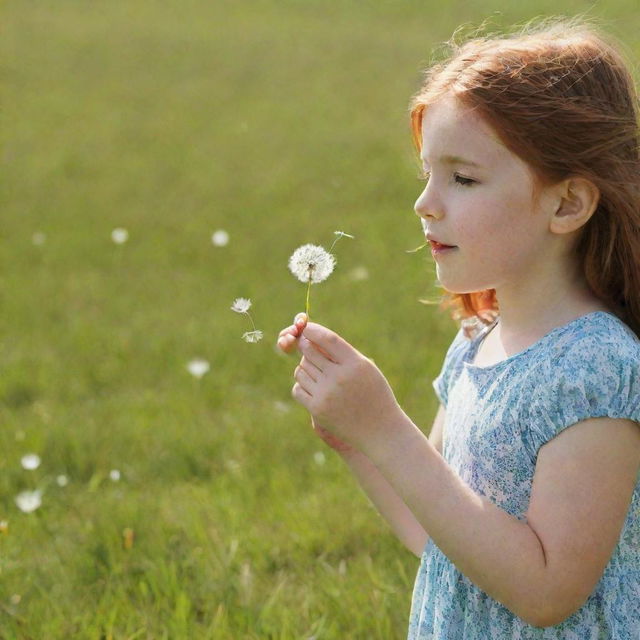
{"x": 497, "y": 419}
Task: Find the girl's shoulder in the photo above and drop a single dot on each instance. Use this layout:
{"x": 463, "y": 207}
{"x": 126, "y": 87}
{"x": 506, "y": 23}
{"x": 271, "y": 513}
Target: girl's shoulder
{"x": 600, "y": 335}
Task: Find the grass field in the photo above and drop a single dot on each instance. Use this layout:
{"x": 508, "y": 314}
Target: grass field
{"x": 278, "y": 122}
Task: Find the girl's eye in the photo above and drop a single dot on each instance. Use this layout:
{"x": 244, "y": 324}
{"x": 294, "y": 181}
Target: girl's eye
{"x": 462, "y": 181}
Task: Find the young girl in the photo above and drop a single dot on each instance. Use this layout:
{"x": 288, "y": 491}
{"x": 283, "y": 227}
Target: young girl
{"x": 524, "y": 502}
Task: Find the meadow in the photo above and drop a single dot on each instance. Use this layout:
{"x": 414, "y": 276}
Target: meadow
{"x": 177, "y": 506}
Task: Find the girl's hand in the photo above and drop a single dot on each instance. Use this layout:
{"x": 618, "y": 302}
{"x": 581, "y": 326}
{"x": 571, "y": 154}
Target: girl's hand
{"x": 344, "y": 391}
{"x": 288, "y": 341}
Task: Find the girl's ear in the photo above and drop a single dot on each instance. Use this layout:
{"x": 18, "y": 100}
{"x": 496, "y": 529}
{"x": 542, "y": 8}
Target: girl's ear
{"x": 579, "y": 198}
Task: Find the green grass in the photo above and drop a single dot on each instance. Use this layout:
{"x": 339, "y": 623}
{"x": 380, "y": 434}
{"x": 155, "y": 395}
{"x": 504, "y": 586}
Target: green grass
{"x": 279, "y": 122}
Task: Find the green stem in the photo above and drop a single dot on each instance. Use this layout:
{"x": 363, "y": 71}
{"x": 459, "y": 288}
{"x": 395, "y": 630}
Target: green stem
{"x": 308, "y": 292}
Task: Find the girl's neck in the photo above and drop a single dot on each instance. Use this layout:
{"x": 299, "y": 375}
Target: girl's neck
{"x": 528, "y": 320}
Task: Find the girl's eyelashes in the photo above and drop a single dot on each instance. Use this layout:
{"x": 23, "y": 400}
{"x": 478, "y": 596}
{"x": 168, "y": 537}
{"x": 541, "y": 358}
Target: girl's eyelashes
{"x": 462, "y": 181}
{"x": 459, "y": 180}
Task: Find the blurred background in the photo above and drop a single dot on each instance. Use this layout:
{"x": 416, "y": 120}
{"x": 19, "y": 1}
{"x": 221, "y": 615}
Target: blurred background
{"x": 161, "y": 159}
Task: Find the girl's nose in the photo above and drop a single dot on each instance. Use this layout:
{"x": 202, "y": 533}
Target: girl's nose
{"x": 425, "y": 207}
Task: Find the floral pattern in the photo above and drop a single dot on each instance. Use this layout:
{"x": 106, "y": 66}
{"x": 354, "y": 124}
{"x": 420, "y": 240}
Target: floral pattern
{"x": 497, "y": 419}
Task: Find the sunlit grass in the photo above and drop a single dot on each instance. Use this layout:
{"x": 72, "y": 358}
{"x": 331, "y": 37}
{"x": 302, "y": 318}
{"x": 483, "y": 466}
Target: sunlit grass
{"x": 161, "y": 160}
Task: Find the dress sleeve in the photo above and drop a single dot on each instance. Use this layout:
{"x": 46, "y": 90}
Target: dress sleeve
{"x": 593, "y": 379}
{"x": 451, "y": 365}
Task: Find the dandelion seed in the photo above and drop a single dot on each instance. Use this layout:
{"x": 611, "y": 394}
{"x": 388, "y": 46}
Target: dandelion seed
{"x": 198, "y": 367}
{"x": 281, "y": 406}
{"x": 114, "y": 475}
{"x": 241, "y": 305}
{"x": 62, "y": 480}
{"x": 252, "y": 336}
{"x": 30, "y": 462}
{"x": 38, "y": 238}
{"x": 319, "y": 458}
{"x": 119, "y": 235}
{"x": 359, "y": 273}
{"x": 220, "y": 238}
{"x": 29, "y": 501}
{"x": 339, "y": 234}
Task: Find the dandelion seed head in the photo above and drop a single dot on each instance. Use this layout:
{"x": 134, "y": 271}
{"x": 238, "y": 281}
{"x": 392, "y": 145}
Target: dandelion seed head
{"x": 62, "y": 480}
{"x": 241, "y": 305}
{"x": 119, "y": 235}
{"x": 115, "y": 475}
{"x": 220, "y": 238}
{"x": 29, "y": 501}
{"x": 30, "y": 462}
{"x": 4, "y": 527}
{"x": 311, "y": 263}
{"x": 319, "y": 458}
{"x": 198, "y": 367}
{"x": 252, "y": 336}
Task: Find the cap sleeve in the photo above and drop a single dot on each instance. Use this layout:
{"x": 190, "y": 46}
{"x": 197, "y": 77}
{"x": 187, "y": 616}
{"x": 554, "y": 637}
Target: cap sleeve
{"x": 593, "y": 379}
{"x": 450, "y": 368}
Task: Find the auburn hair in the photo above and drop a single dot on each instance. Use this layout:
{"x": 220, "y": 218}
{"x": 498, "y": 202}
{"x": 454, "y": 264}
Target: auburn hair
{"x": 560, "y": 96}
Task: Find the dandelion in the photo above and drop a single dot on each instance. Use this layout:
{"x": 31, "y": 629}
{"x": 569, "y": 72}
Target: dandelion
{"x": 62, "y": 480}
{"x": 312, "y": 264}
{"x": 220, "y": 238}
{"x": 114, "y": 475}
{"x": 319, "y": 458}
{"x": 30, "y": 462}
{"x": 242, "y": 305}
{"x": 198, "y": 367}
{"x": 4, "y": 527}
{"x": 29, "y": 501}
{"x": 119, "y": 235}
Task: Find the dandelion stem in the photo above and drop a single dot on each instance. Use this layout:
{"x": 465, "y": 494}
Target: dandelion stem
{"x": 308, "y": 292}
{"x": 250, "y": 318}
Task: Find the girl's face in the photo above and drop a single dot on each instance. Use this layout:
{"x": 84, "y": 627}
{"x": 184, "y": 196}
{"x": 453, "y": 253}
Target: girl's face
{"x": 479, "y": 198}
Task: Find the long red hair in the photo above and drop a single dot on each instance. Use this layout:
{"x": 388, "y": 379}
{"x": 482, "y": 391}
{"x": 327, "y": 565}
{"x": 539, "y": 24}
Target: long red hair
{"x": 561, "y": 97}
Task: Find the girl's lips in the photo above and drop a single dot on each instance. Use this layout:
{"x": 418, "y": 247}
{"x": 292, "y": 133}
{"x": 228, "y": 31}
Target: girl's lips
{"x": 436, "y": 245}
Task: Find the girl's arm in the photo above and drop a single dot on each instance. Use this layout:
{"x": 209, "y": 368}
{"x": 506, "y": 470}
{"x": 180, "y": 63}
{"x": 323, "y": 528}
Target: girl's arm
{"x": 385, "y": 498}
{"x": 542, "y": 569}
{"x": 382, "y": 495}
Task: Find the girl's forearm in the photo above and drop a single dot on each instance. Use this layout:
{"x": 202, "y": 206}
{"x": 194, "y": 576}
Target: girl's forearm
{"x": 383, "y": 496}
{"x": 502, "y": 555}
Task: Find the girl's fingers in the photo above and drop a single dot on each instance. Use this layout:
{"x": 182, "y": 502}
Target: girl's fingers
{"x": 287, "y": 342}
{"x": 314, "y": 354}
{"x": 290, "y": 329}
{"x": 331, "y": 344}
{"x": 287, "y": 337}
{"x": 304, "y": 379}
{"x": 313, "y": 371}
